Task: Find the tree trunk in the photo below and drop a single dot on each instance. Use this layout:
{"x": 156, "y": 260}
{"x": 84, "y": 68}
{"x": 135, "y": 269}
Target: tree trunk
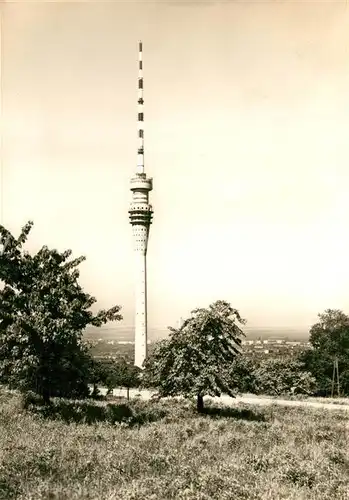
{"x": 46, "y": 397}
{"x": 128, "y": 393}
{"x": 200, "y": 403}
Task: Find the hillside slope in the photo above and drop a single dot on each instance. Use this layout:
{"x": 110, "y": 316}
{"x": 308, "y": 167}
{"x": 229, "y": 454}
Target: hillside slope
{"x": 246, "y": 452}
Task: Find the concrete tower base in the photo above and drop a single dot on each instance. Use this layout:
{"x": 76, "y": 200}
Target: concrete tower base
{"x": 140, "y": 263}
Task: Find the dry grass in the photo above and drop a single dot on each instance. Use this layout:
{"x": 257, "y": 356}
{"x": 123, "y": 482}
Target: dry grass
{"x": 164, "y": 450}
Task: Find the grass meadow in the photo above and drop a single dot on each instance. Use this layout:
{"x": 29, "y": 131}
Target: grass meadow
{"x": 164, "y": 450}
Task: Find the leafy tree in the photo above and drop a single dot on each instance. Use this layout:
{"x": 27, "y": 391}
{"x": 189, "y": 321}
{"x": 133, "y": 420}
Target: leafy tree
{"x": 43, "y": 312}
{"x": 196, "y": 358}
{"x": 98, "y": 374}
{"x": 329, "y": 338}
{"x": 112, "y": 374}
{"x": 331, "y": 333}
{"x": 320, "y": 365}
{"x": 124, "y": 374}
{"x": 278, "y": 376}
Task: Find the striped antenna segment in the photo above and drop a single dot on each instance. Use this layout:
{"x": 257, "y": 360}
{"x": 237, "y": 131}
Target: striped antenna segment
{"x": 140, "y": 158}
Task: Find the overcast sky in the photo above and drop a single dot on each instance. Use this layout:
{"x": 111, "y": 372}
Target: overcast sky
{"x": 246, "y": 137}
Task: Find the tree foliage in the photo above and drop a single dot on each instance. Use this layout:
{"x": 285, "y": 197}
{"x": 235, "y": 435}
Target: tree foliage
{"x": 43, "y": 312}
{"x": 113, "y": 374}
{"x": 280, "y": 376}
{"x": 274, "y": 376}
{"x": 331, "y": 333}
{"x": 196, "y": 358}
{"x": 98, "y": 374}
{"x": 242, "y": 374}
{"x": 126, "y": 374}
{"x": 123, "y": 374}
{"x": 329, "y": 338}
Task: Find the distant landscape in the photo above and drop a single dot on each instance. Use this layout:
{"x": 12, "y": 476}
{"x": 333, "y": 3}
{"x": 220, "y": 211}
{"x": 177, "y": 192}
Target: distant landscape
{"x": 115, "y": 343}
{"x": 126, "y": 333}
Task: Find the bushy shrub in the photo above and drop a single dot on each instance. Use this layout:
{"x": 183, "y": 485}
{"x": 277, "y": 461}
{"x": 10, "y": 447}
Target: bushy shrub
{"x": 30, "y": 399}
{"x": 89, "y": 412}
{"x": 283, "y": 376}
{"x": 243, "y": 377}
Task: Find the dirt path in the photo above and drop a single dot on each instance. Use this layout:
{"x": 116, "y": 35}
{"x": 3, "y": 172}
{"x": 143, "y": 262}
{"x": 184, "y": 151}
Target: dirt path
{"x": 248, "y": 399}
{"x": 283, "y": 402}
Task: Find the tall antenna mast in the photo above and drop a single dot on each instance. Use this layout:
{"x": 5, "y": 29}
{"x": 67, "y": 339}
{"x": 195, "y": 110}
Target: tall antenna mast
{"x": 140, "y": 161}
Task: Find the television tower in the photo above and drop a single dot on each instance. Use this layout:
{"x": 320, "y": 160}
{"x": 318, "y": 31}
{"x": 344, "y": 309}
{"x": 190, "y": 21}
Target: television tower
{"x": 140, "y": 213}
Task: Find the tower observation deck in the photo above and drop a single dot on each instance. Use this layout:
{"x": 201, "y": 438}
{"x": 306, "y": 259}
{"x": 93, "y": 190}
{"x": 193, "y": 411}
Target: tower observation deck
{"x": 140, "y": 214}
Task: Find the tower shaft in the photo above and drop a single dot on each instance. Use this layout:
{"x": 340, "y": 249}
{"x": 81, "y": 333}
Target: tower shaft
{"x": 140, "y": 218}
{"x": 141, "y": 334}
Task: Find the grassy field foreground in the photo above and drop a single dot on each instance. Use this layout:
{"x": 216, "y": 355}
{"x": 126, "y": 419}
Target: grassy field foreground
{"x": 164, "y": 450}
